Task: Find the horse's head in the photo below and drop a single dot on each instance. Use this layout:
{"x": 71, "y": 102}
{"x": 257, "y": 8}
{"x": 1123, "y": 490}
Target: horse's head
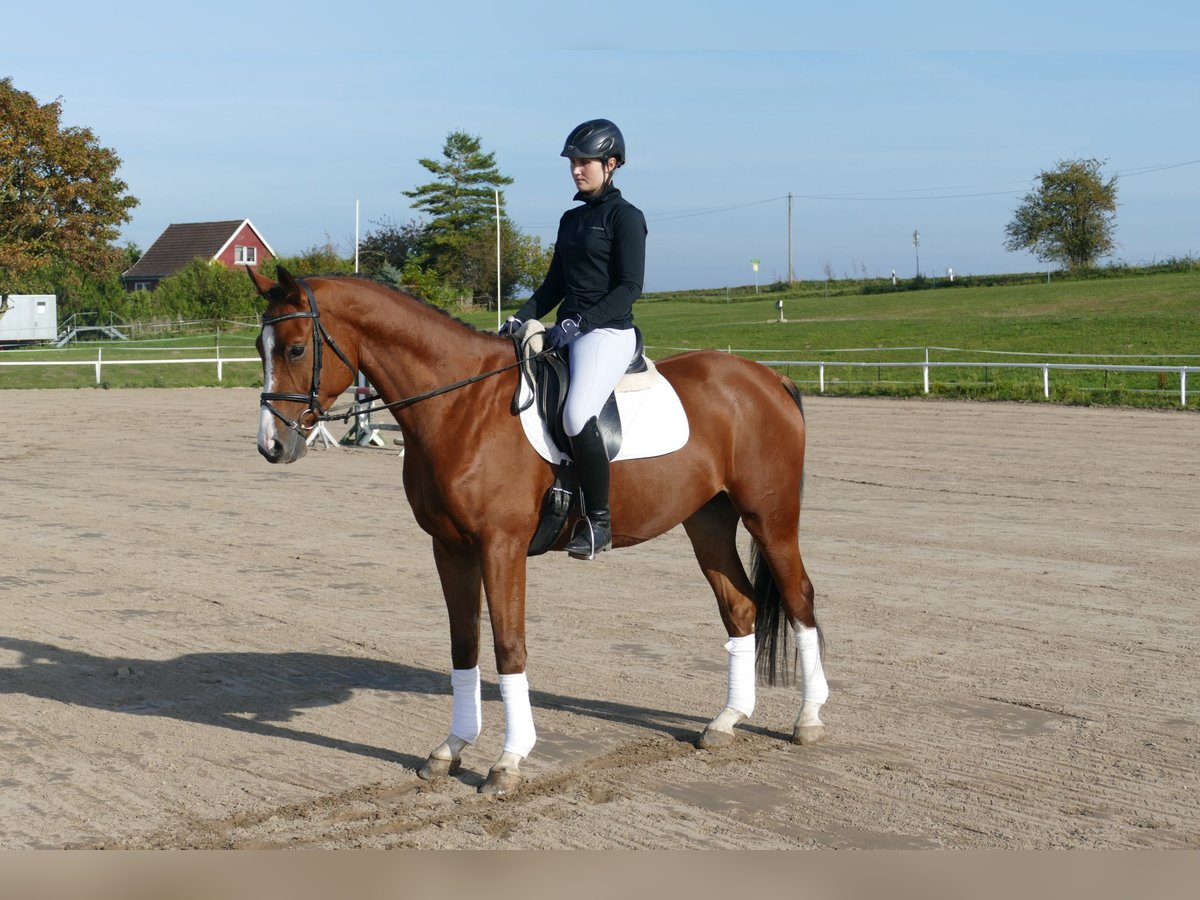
{"x": 300, "y": 380}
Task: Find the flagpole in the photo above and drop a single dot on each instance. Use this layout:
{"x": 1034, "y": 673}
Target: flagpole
{"x": 498, "y": 295}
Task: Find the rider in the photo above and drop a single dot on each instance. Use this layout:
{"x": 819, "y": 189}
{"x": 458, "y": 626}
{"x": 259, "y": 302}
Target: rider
{"x": 596, "y": 272}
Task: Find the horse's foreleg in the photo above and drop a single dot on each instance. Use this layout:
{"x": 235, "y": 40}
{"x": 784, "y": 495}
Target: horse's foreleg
{"x": 504, "y": 585}
{"x": 461, "y": 580}
{"x": 713, "y": 533}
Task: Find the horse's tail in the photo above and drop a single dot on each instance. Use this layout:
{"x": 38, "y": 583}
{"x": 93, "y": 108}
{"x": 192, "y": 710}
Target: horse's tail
{"x": 770, "y": 624}
{"x": 775, "y": 665}
{"x": 791, "y": 388}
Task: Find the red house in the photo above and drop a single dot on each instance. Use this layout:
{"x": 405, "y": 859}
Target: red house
{"x": 233, "y": 243}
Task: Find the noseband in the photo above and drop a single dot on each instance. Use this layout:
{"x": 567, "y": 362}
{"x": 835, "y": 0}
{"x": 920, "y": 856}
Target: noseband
{"x": 315, "y": 412}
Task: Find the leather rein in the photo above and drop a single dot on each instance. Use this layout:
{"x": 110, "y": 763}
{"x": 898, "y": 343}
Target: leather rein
{"x": 315, "y": 413}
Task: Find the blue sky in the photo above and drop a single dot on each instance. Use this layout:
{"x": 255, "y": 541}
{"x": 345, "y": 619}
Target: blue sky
{"x": 879, "y": 118}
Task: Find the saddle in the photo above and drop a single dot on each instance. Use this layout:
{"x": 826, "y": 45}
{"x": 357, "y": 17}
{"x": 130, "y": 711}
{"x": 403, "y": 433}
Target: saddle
{"x": 547, "y": 378}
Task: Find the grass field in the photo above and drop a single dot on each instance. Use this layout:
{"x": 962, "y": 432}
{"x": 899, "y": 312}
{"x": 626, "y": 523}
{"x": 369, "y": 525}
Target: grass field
{"x": 1138, "y": 319}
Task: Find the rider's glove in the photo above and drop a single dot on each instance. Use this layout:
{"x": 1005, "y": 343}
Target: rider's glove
{"x": 562, "y": 334}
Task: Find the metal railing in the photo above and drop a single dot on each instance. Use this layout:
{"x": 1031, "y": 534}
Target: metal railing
{"x": 926, "y": 365}
{"x": 100, "y": 362}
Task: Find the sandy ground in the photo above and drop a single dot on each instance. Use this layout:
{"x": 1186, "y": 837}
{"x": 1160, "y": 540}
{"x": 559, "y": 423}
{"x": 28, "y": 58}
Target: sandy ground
{"x": 202, "y": 650}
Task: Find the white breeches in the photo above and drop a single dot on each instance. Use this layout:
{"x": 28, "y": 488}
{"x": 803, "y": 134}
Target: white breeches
{"x": 598, "y": 360}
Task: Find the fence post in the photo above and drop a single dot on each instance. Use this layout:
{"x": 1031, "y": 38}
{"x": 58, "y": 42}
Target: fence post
{"x": 219, "y": 362}
{"x": 99, "y": 356}
{"x": 821, "y": 371}
{"x": 1046, "y": 381}
{"x": 925, "y": 368}
{"x": 1183, "y": 387}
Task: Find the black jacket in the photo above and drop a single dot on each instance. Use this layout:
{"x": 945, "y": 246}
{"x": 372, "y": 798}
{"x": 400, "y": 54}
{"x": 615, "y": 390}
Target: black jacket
{"x": 598, "y": 265}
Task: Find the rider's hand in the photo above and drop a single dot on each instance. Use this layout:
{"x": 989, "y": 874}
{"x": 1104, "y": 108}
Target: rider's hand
{"x": 511, "y": 324}
{"x": 562, "y": 334}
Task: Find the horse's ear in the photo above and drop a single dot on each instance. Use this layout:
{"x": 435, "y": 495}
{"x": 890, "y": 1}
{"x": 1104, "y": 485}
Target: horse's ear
{"x": 286, "y": 281}
{"x": 262, "y": 283}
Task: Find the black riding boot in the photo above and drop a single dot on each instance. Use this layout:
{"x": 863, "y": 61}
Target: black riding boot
{"x": 593, "y": 534}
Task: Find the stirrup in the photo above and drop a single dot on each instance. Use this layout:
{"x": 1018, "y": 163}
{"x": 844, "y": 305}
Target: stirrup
{"x": 583, "y": 544}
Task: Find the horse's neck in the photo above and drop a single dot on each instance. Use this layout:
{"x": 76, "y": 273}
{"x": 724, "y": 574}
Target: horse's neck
{"x": 407, "y": 348}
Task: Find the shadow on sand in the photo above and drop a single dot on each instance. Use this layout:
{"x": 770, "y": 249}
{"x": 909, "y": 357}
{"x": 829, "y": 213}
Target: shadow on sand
{"x": 259, "y": 693}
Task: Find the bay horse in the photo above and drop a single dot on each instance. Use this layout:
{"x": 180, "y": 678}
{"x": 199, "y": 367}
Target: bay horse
{"x": 475, "y": 485}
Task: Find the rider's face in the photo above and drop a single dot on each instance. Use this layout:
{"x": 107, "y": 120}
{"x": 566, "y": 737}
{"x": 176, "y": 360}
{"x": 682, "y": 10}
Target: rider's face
{"x": 589, "y": 174}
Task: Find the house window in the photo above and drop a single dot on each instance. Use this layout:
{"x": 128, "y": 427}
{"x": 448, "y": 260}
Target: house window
{"x": 245, "y": 255}
{"x": 41, "y": 307}
{"x": 142, "y": 285}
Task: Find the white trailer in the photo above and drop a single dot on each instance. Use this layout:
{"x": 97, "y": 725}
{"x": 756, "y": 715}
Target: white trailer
{"x": 28, "y": 318}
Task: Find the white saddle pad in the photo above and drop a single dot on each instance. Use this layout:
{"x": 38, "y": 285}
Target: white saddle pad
{"x": 653, "y": 423}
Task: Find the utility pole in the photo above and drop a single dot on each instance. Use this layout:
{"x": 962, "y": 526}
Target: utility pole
{"x": 790, "y": 275}
{"x": 917, "y": 248}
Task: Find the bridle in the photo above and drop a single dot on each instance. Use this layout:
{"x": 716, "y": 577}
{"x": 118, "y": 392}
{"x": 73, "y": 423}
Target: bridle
{"x": 315, "y": 413}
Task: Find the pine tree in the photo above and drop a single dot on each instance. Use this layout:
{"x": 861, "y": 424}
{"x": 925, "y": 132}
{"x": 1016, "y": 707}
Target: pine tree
{"x": 463, "y": 196}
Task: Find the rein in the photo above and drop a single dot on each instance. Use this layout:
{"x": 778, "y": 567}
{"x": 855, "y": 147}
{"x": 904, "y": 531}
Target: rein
{"x": 416, "y": 398}
{"x": 315, "y": 412}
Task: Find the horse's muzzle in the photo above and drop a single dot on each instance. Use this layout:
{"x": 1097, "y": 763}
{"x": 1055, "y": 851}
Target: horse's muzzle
{"x": 288, "y": 450}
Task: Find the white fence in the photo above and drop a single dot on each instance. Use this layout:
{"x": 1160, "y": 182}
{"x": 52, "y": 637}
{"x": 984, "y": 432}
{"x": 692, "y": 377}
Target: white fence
{"x": 100, "y": 362}
{"x": 821, "y": 366}
{"x": 925, "y": 365}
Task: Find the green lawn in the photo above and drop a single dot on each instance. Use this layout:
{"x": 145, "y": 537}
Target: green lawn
{"x": 1139, "y": 319}
{"x": 1135, "y": 319}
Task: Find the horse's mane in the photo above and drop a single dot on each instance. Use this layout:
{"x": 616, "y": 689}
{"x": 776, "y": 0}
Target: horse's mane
{"x": 335, "y": 276}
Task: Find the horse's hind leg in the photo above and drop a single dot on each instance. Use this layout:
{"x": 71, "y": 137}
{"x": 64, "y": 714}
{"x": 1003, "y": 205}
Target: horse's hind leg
{"x": 785, "y": 581}
{"x": 713, "y": 533}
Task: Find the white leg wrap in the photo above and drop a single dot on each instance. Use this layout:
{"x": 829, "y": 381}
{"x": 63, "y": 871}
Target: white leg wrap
{"x": 740, "y": 695}
{"x": 813, "y": 688}
{"x": 519, "y": 733}
{"x": 468, "y": 706}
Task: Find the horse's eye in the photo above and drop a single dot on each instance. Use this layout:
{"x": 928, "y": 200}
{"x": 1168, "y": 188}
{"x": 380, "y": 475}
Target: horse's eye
{"x": 295, "y": 351}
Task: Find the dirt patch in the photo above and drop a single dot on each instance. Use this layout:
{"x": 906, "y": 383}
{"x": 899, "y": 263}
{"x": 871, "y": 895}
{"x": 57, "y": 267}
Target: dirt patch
{"x": 201, "y": 650}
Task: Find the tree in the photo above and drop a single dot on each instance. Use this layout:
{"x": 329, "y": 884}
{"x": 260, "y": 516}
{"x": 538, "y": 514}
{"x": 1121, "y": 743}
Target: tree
{"x": 319, "y": 259}
{"x": 390, "y": 246}
{"x": 523, "y": 261}
{"x": 460, "y": 203}
{"x": 463, "y": 196}
{"x": 457, "y": 245}
{"x": 203, "y": 289}
{"x": 60, "y": 197}
{"x": 1069, "y": 217}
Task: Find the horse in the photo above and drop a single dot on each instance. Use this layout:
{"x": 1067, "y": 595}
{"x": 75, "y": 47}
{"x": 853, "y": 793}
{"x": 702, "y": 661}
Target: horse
{"x": 475, "y": 486}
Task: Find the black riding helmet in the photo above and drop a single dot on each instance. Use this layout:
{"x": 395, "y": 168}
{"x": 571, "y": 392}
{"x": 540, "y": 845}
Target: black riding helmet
{"x": 595, "y": 139}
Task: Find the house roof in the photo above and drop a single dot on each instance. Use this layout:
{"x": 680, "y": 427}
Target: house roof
{"x": 180, "y": 244}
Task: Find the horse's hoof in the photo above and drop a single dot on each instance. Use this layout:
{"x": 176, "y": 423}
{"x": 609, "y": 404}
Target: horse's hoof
{"x": 808, "y": 734}
{"x": 714, "y": 740}
{"x": 500, "y": 782}
{"x": 435, "y": 768}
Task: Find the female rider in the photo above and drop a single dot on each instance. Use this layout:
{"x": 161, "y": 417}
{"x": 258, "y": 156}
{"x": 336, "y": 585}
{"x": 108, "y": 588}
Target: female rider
{"x": 596, "y": 272}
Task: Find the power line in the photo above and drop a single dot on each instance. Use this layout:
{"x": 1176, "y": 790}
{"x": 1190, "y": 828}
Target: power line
{"x": 926, "y": 193}
{"x": 1146, "y": 170}
{"x": 706, "y": 211}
